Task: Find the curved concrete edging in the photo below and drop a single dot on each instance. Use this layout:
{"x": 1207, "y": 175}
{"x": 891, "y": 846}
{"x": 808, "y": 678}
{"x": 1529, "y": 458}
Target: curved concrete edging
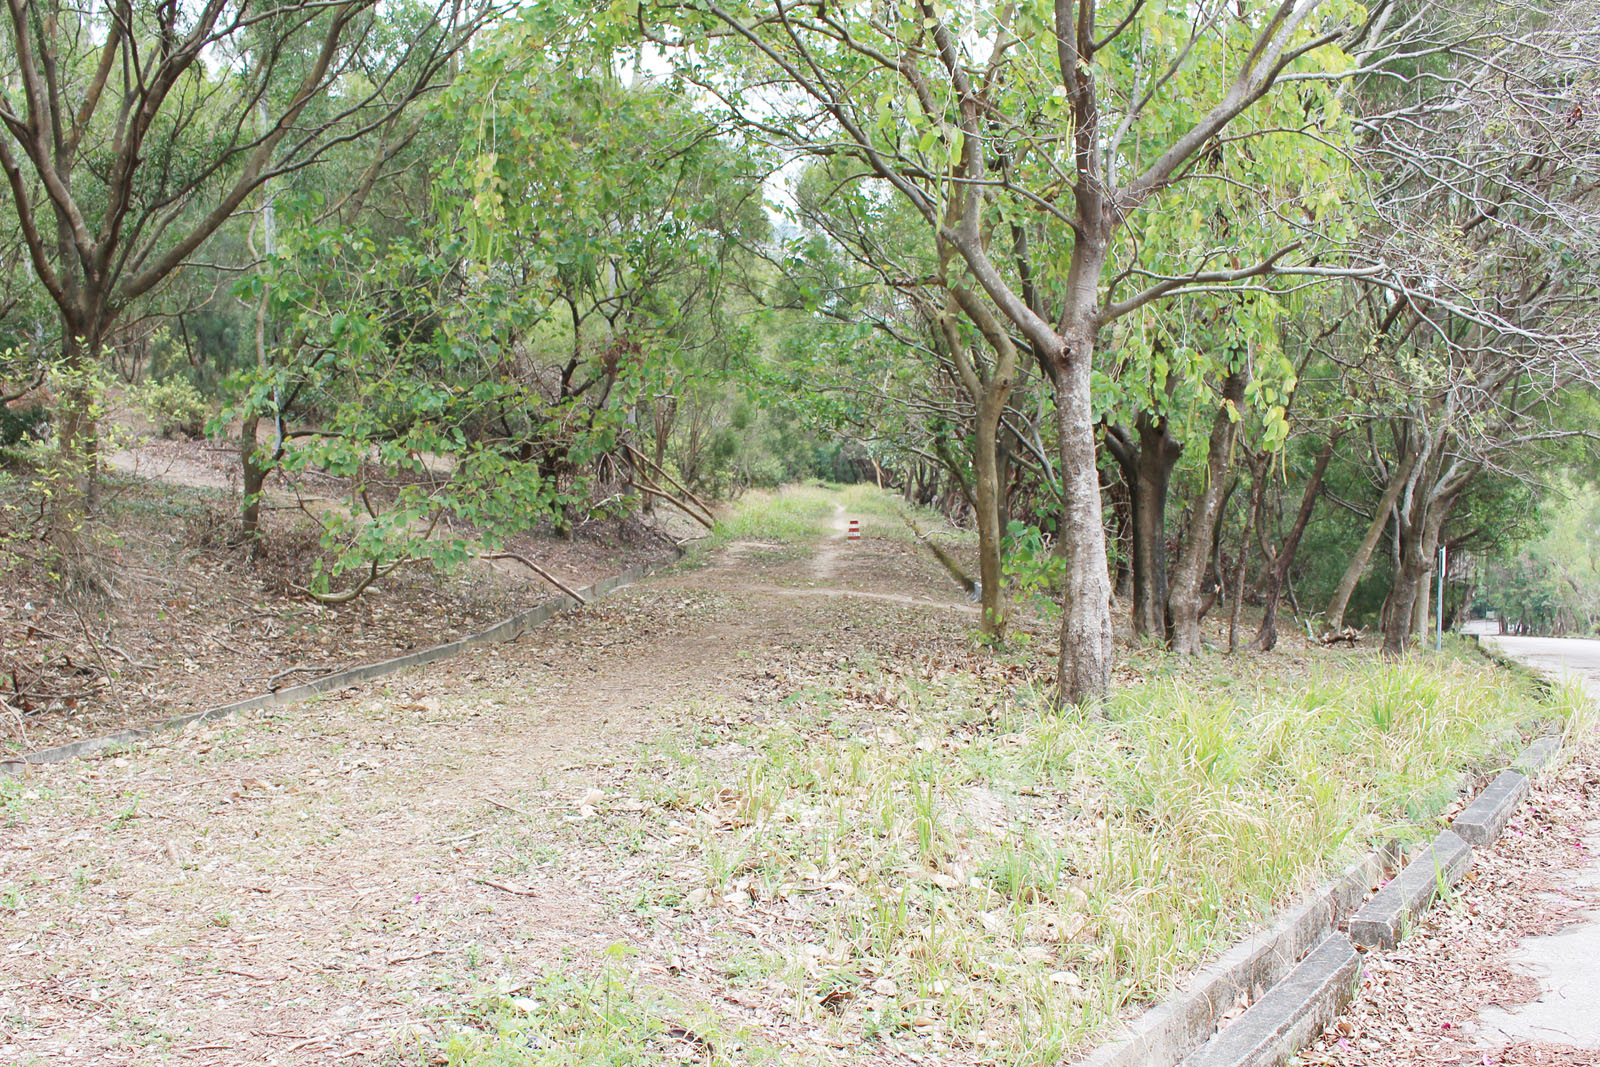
{"x": 505, "y": 630}
{"x": 1298, "y": 974}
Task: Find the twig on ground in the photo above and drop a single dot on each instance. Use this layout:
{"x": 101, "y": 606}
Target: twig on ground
{"x": 135, "y": 664}
{"x": 224, "y": 645}
{"x": 22, "y": 728}
{"x": 479, "y": 832}
{"x": 507, "y": 887}
{"x": 507, "y": 807}
{"x": 535, "y": 568}
{"x": 94, "y": 647}
{"x": 272, "y": 683}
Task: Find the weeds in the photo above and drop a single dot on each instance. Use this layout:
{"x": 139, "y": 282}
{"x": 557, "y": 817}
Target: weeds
{"x": 564, "y": 1019}
{"x": 979, "y": 871}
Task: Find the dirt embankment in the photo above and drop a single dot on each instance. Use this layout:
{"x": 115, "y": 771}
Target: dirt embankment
{"x": 187, "y": 621}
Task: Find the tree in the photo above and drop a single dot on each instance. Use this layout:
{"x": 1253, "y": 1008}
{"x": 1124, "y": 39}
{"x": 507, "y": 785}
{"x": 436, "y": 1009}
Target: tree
{"x": 133, "y": 132}
{"x": 1058, "y": 129}
{"x": 486, "y": 370}
{"x": 1474, "y": 319}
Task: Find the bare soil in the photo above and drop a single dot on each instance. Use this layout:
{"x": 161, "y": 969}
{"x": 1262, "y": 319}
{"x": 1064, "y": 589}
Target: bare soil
{"x": 187, "y": 621}
{"x": 313, "y": 884}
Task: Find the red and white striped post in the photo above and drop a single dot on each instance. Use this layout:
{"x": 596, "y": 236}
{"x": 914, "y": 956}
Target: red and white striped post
{"x": 855, "y": 530}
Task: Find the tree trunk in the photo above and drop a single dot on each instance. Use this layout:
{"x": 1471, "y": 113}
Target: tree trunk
{"x": 987, "y": 505}
{"x": 254, "y": 475}
{"x": 1422, "y": 610}
{"x": 1334, "y": 617}
{"x": 1397, "y": 620}
{"x": 76, "y": 494}
{"x": 1409, "y": 594}
{"x": 1258, "y": 470}
{"x": 1267, "y": 636}
{"x": 1085, "y": 663}
{"x": 1147, "y": 469}
{"x": 1122, "y": 532}
{"x": 1183, "y": 601}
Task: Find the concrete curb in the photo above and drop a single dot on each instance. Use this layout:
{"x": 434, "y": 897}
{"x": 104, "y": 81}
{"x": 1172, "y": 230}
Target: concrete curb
{"x": 1172, "y": 1029}
{"x": 1482, "y": 821}
{"x": 1292, "y": 1012}
{"x": 1300, "y": 973}
{"x": 1537, "y": 756}
{"x": 1382, "y": 920}
{"x": 505, "y": 630}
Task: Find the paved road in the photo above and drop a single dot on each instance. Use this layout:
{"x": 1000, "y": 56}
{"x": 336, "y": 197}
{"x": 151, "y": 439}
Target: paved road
{"x": 1558, "y": 656}
{"x": 1568, "y": 1010}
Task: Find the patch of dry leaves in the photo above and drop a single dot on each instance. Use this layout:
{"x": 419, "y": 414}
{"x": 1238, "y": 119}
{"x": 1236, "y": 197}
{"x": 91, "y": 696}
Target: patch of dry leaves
{"x": 192, "y": 623}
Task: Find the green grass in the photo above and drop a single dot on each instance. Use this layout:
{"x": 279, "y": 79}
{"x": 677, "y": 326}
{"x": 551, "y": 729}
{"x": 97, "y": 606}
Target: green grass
{"x": 799, "y": 514}
{"x": 1021, "y": 876}
{"x": 568, "y": 1019}
{"x": 795, "y": 514}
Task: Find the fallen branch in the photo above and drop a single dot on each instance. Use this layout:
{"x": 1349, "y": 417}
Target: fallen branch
{"x": 650, "y": 487}
{"x": 640, "y": 457}
{"x": 272, "y": 683}
{"x": 535, "y": 568}
{"x": 1349, "y": 635}
{"x": 372, "y": 575}
{"x": 962, "y": 578}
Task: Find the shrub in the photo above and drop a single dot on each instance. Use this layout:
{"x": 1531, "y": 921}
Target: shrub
{"x": 17, "y": 423}
{"x": 174, "y": 406}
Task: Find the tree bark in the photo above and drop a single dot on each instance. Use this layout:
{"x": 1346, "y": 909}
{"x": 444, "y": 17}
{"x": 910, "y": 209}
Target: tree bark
{"x": 1086, "y": 650}
{"x": 1258, "y": 471}
{"x": 1267, "y": 636}
{"x": 988, "y": 385}
{"x": 1333, "y": 618}
{"x": 253, "y": 474}
{"x": 991, "y": 581}
{"x": 1146, "y": 467}
{"x": 1184, "y": 601}
{"x": 1419, "y": 544}
{"x": 78, "y": 493}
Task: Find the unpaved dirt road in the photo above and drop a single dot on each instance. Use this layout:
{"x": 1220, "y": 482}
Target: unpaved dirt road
{"x": 303, "y": 886}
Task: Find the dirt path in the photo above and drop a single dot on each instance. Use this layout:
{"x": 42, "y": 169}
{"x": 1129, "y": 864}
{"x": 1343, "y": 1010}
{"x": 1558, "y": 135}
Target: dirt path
{"x": 309, "y": 885}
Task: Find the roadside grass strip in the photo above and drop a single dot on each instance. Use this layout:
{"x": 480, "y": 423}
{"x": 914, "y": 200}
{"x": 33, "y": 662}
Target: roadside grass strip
{"x": 937, "y": 858}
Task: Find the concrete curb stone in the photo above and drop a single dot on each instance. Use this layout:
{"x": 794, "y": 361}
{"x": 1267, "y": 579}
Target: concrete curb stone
{"x": 1482, "y": 821}
{"x": 1381, "y": 920}
{"x": 1538, "y": 755}
{"x": 506, "y": 630}
{"x": 1291, "y": 1013}
{"x": 1282, "y": 1019}
{"x": 1166, "y": 1033}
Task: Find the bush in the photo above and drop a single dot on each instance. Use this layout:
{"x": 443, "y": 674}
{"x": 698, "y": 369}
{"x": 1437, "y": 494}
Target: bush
{"x": 174, "y": 406}
{"x": 18, "y": 423}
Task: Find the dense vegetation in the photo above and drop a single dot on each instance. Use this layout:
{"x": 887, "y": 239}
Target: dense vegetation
{"x": 1181, "y": 308}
